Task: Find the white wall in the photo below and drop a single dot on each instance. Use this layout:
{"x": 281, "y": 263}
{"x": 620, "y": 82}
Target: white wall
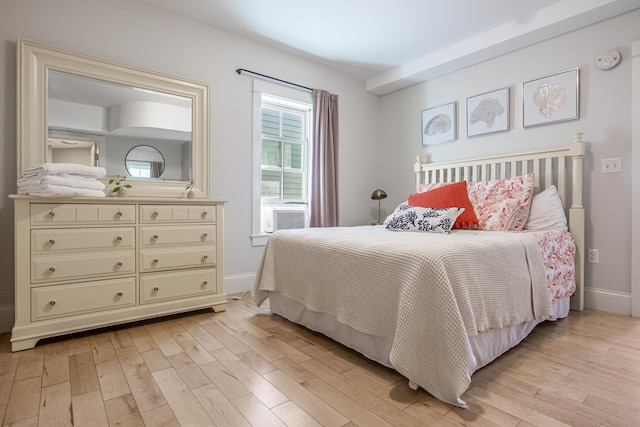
{"x": 605, "y": 119}
{"x": 136, "y": 33}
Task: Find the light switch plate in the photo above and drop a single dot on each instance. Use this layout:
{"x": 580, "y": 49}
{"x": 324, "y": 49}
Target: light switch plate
{"x": 612, "y": 165}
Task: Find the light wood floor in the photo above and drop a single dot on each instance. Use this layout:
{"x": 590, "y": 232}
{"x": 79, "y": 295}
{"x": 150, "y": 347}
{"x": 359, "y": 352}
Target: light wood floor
{"x": 248, "y": 367}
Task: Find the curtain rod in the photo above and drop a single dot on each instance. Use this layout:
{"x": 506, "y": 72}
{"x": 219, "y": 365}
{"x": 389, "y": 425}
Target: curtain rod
{"x": 241, "y": 70}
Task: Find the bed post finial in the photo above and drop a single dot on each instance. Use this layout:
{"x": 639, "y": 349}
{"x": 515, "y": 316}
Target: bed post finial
{"x": 577, "y": 136}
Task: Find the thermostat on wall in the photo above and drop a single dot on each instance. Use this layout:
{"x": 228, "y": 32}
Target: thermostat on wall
{"x": 608, "y": 60}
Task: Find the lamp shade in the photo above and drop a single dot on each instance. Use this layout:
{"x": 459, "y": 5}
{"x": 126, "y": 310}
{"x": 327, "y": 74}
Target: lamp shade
{"x": 378, "y": 194}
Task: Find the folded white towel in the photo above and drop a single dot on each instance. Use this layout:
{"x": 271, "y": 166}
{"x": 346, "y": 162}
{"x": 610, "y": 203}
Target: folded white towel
{"x": 64, "y": 168}
{"x": 50, "y": 190}
{"x": 77, "y": 181}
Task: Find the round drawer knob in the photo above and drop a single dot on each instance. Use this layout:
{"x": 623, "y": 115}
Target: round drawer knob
{"x": 155, "y": 237}
{"x": 52, "y": 214}
{"x": 119, "y": 264}
{"x": 155, "y": 261}
{"x": 206, "y": 282}
{"x": 119, "y": 238}
{"x": 52, "y": 302}
{"x": 205, "y": 257}
{"x": 204, "y": 213}
{"x": 52, "y": 241}
{"x": 52, "y": 269}
{"x": 119, "y": 213}
{"x": 119, "y": 293}
{"x": 155, "y": 214}
{"x": 205, "y": 235}
{"x": 156, "y": 289}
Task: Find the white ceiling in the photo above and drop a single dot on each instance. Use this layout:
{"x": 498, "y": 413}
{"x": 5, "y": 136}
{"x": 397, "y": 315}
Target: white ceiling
{"x": 396, "y": 43}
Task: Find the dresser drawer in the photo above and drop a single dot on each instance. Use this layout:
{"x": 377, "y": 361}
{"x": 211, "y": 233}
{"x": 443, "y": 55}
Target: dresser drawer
{"x": 174, "y": 235}
{"x": 85, "y": 264}
{"x": 66, "y": 300}
{"x": 56, "y": 240}
{"x": 177, "y": 213}
{"x": 43, "y": 214}
{"x": 177, "y": 257}
{"x": 168, "y": 286}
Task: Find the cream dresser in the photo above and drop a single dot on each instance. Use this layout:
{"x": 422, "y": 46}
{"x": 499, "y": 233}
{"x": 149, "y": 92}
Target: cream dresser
{"x": 83, "y": 263}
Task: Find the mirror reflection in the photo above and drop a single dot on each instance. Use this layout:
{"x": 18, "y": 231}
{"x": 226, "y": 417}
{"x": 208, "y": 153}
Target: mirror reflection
{"x": 144, "y": 161}
{"x": 109, "y": 122}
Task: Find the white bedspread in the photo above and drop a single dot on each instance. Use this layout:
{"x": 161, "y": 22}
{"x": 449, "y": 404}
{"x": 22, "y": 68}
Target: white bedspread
{"x": 427, "y": 292}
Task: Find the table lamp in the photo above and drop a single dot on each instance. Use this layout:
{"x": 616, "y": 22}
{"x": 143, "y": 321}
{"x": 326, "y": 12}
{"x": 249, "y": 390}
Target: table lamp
{"x": 378, "y": 195}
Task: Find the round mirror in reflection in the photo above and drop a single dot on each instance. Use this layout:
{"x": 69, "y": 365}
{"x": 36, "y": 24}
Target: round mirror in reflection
{"x": 144, "y": 161}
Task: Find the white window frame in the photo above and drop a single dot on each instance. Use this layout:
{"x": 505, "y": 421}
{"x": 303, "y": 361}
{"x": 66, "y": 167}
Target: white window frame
{"x": 261, "y": 87}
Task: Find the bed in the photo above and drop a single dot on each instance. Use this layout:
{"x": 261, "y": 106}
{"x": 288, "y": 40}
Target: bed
{"x": 439, "y": 303}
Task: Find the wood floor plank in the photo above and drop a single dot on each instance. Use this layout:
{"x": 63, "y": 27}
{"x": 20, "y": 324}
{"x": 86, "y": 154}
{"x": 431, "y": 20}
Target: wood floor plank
{"x": 292, "y": 415}
{"x": 189, "y": 371}
{"x": 307, "y": 401}
{"x": 89, "y": 410}
{"x": 24, "y": 402}
{"x": 184, "y": 405}
{"x": 122, "y": 411}
{"x": 55, "y": 368}
{"x": 161, "y": 416}
{"x": 55, "y": 406}
{"x": 112, "y": 380}
{"x": 145, "y": 391}
{"x": 256, "y": 412}
{"x": 30, "y": 365}
{"x": 166, "y": 343}
{"x": 218, "y": 407}
{"x": 83, "y": 375}
{"x": 254, "y": 382}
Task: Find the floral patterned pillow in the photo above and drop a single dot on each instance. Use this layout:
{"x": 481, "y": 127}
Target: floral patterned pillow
{"x": 496, "y": 215}
{"x": 490, "y": 198}
{"x": 415, "y": 218}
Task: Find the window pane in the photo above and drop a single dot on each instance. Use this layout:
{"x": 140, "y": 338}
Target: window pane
{"x": 270, "y": 187}
{"x": 292, "y": 126}
{"x": 271, "y": 155}
{"x": 293, "y": 185}
{"x": 293, "y": 155}
{"x": 270, "y": 122}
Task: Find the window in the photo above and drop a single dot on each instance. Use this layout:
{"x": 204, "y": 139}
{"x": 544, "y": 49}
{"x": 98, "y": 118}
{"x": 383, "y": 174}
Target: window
{"x": 281, "y": 164}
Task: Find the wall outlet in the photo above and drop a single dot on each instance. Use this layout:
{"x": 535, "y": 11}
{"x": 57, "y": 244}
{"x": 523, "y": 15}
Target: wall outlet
{"x": 612, "y": 165}
{"x": 593, "y": 256}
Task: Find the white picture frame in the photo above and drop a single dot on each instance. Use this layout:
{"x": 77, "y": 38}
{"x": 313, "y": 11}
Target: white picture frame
{"x": 488, "y": 112}
{"x": 551, "y": 99}
{"x": 439, "y": 124}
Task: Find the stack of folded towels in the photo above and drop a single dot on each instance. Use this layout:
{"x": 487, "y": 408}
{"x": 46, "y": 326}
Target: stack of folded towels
{"x": 62, "y": 180}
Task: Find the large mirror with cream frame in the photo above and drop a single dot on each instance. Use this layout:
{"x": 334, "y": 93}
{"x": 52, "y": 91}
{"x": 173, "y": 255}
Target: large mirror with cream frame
{"x": 151, "y": 127}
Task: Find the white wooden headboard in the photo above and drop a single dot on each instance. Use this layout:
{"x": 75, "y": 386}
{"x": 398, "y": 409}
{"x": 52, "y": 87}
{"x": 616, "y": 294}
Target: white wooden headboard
{"x": 561, "y": 167}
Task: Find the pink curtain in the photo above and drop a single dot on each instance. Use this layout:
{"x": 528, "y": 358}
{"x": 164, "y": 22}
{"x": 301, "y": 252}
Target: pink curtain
{"x": 324, "y": 170}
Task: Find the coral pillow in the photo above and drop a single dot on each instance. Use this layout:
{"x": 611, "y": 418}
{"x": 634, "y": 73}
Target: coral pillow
{"x": 448, "y": 196}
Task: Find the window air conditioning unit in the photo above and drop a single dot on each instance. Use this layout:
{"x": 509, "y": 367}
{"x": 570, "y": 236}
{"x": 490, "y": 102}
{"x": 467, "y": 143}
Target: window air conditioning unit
{"x": 284, "y": 219}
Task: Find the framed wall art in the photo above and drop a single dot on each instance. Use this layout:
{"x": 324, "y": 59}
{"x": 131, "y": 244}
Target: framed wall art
{"x": 439, "y": 124}
{"x": 488, "y": 112}
{"x": 551, "y": 99}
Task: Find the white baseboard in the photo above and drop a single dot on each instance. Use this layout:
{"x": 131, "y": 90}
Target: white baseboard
{"x": 609, "y": 301}
{"x": 7, "y": 318}
{"x": 238, "y": 283}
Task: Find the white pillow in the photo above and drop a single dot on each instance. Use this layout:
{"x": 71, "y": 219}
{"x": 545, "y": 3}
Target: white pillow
{"x": 430, "y": 220}
{"x": 546, "y": 211}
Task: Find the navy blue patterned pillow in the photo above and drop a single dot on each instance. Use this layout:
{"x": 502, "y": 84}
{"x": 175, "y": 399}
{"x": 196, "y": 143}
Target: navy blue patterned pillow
{"x": 416, "y": 218}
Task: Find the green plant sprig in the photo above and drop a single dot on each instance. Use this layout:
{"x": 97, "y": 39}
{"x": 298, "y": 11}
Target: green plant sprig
{"x": 119, "y": 183}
